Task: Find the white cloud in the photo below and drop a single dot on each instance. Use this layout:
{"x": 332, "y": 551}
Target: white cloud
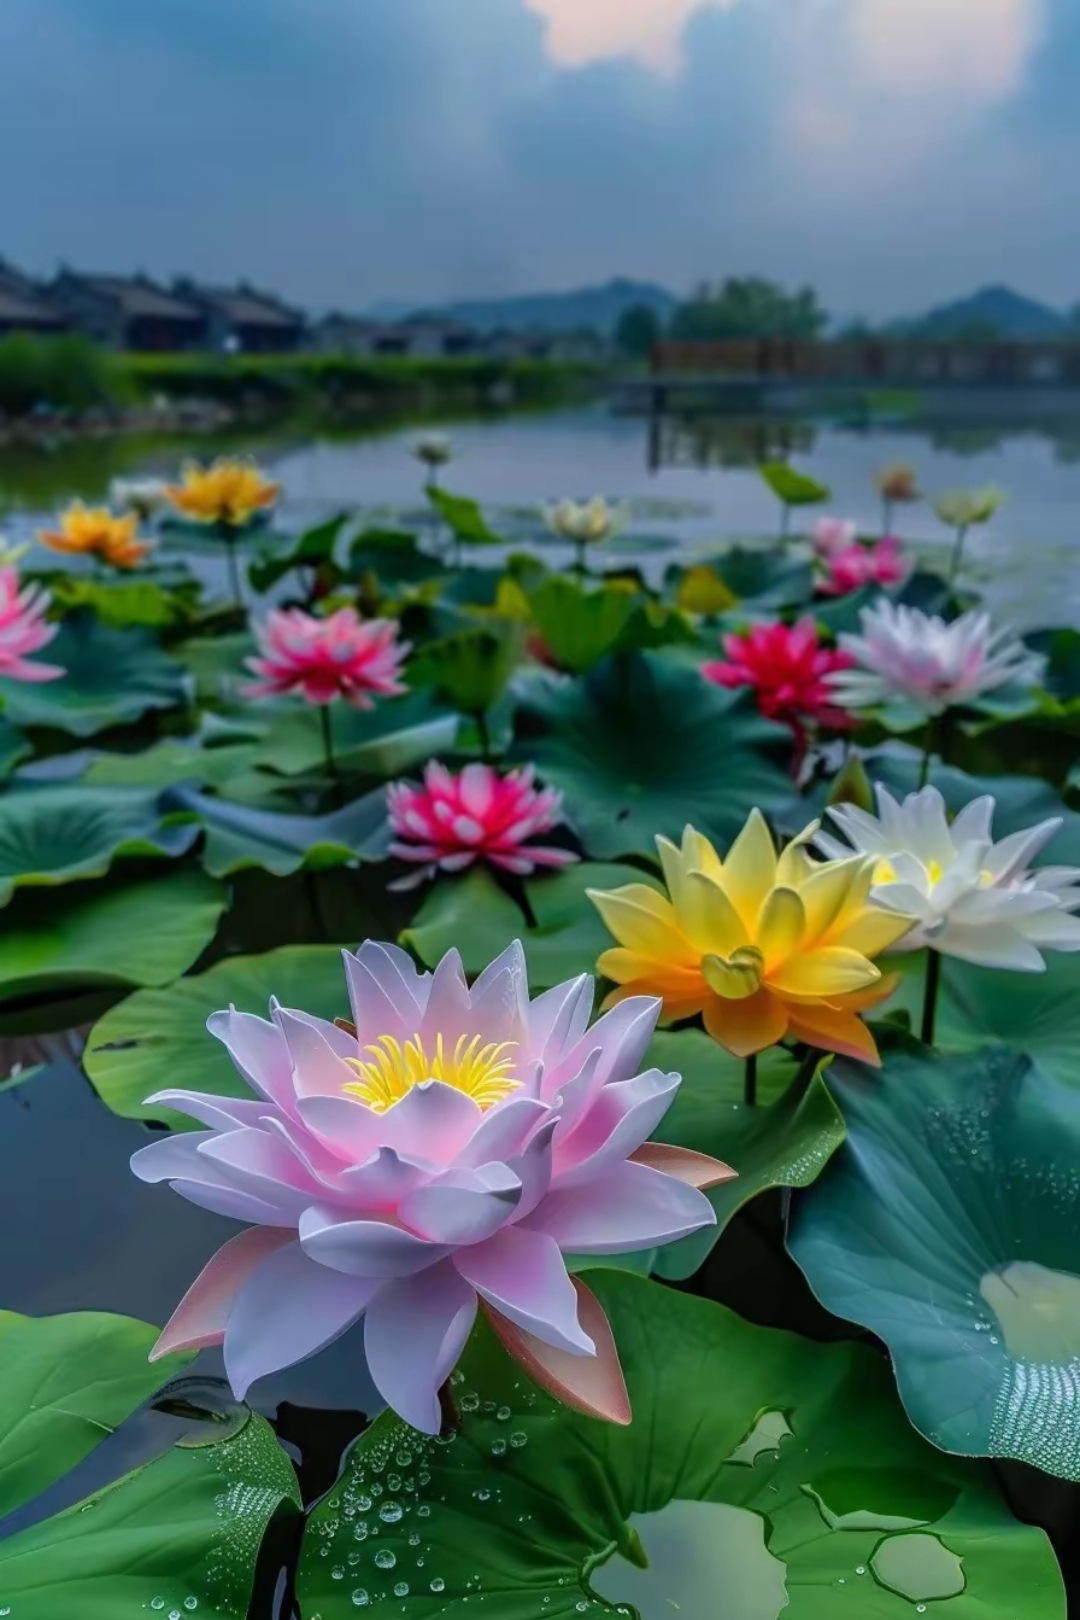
{"x": 583, "y": 31}
{"x": 978, "y": 48}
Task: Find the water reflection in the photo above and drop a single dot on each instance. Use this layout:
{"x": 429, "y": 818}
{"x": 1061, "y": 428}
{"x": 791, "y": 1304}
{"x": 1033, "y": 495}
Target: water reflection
{"x": 698, "y": 1551}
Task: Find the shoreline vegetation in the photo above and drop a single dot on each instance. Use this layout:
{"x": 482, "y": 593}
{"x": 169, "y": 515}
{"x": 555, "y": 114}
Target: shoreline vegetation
{"x": 53, "y": 389}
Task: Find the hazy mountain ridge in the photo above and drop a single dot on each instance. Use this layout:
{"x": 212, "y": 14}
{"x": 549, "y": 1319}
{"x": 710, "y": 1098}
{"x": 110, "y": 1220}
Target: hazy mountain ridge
{"x": 596, "y": 309}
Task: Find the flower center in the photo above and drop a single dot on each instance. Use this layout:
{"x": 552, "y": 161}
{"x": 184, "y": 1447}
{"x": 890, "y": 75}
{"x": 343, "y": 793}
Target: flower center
{"x": 388, "y": 1070}
{"x": 885, "y": 872}
{"x": 735, "y": 977}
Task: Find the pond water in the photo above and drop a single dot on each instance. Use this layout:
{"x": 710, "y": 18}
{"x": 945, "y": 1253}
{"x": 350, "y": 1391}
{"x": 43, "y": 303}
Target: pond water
{"x": 694, "y": 481}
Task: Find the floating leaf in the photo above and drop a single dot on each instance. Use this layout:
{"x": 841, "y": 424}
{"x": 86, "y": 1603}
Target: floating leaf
{"x": 643, "y": 746}
{"x": 66, "y": 1382}
{"x": 130, "y": 1049}
{"x": 53, "y": 835}
{"x": 533, "y": 1510}
{"x": 463, "y": 517}
{"x": 379, "y": 742}
{"x": 950, "y": 1226}
{"x": 475, "y": 916}
{"x": 113, "y": 677}
{"x": 314, "y": 549}
{"x": 181, "y": 1535}
{"x": 238, "y": 836}
{"x": 100, "y": 937}
{"x": 470, "y": 668}
{"x": 786, "y": 1140}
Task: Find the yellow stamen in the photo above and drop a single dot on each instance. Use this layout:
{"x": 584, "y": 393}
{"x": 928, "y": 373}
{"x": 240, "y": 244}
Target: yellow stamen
{"x": 390, "y": 1070}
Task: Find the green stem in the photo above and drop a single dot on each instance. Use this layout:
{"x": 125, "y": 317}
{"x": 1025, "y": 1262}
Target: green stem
{"x": 485, "y": 735}
{"x": 886, "y": 517}
{"x": 232, "y": 553}
{"x": 579, "y": 546}
{"x": 805, "y": 1074}
{"x": 957, "y": 554}
{"x": 750, "y": 1081}
{"x": 930, "y": 996}
{"x": 785, "y": 520}
{"x": 327, "y": 724}
{"x": 928, "y": 754}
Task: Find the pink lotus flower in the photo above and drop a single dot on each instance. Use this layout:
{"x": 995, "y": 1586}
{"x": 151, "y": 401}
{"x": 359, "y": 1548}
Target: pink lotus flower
{"x": 855, "y": 566}
{"x": 787, "y": 668}
{"x": 24, "y": 630}
{"x": 445, "y": 1148}
{"x": 831, "y": 535}
{"x": 342, "y": 656}
{"x": 453, "y": 821}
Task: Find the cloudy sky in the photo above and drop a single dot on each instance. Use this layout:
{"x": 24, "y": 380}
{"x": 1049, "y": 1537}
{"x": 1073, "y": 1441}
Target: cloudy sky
{"x": 893, "y": 152}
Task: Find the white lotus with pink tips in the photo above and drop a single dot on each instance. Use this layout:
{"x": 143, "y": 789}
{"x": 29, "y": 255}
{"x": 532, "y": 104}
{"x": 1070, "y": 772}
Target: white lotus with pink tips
{"x": 443, "y": 1150}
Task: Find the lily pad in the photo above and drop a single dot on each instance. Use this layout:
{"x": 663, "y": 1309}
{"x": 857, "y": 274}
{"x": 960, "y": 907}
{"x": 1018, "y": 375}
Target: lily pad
{"x": 14, "y": 748}
{"x": 315, "y": 549}
{"x": 462, "y": 517}
{"x": 181, "y": 1535}
{"x": 793, "y": 487}
{"x": 642, "y": 746}
{"x": 169, "y": 762}
{"x": 238, "y": 836}
{"x": 101, "y": 937}
{"x": 786, "y": 1140}
{"x": 113, "y": 677}
{"x": 533, "y": 1510}
{"x": 131, "y": 1048}
{"x": 950, "y": 1226}
{"x": 379, "y": 742}
{"x": 764, "y": 578}
{"x": 53, "y": 835}
{"x": 480, "y": 919}
{"x": 66, "y": 1382}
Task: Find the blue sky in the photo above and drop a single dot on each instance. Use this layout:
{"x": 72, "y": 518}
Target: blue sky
{"x": 893, "y": 152}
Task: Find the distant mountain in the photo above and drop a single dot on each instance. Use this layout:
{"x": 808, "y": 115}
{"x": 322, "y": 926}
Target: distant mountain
{"x": 991, "y": 310}
{"x": 595, "y": 309}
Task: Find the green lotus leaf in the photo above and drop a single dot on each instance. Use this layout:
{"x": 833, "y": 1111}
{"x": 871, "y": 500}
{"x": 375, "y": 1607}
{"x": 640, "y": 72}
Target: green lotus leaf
{"x": 103, "y": 937}
{"x": 53, "y": 835}
{"x": 950, "y": 1226}
{"x": 158, "y": 1031}
{"x": 462, "y": 517}
{"x": 474, "y": 915}
{"x": 1061, "y": 649}
{"x": 785, "y": 1140}
{"x": 763, "y": 1474}
{"x": 643, "y": 746}
{"x": 394, "y": 556}
{"x": 793, "y": 487}
{"x": 169, "y": 762}
{"x": 315, "y": 549}
{"x": 470, "y": 668}
{"x": 66, "y": 1382}
{"x": 179, "y": 1536}
{"x": 113, "y": 677}
{"x": 14, "y": 748}
{"x": 381, "y": 742}
{"x": 217, "y": 664}
{"x": 238, "y": 836}
{"x": 127, "y": 602}
{"x": 580, "y": 627}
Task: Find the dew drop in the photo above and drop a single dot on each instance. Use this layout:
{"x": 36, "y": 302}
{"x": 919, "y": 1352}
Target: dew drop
{"x": 157, "y": 1603}
{"x": 337, "y": 1573}
{"x": 498, "y": 1448}
{"x": 518, "y": 1439}
{"x": 401, "y": 1589}
{"x": 360, "y": 1598}
{"x": 191, "y": 1603}
{"x": 385, "y": 1558}
{"x": 391, "y": 1512}
{"x": 438, "y": 1584}
{"x": 503, "y": 1414}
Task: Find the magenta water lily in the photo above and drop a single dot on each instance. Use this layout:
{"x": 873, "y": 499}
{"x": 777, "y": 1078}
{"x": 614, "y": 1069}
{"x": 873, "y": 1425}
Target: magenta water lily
{"x": 340, "y": 657}
{"x": 456, "y": 819}
{"x": 445, "y": 1148}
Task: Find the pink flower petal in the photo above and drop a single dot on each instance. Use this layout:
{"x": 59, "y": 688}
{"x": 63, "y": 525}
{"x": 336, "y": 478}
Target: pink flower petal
{"x": 523, "y": 1275}
{"x": 695, "y": 1169}
{"x": 199, "y": 1319}
{"x": 414, "y": 1333}
{"x": 370, "y": 1248}
{"x": 591, "y": 1384}
{"x": 627, "y": 1208}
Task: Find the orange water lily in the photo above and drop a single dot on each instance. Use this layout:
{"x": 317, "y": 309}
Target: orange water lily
{"x": 762, "y": 945}
{"x": 94, "y": 531}
{"x": 231, "y": 492}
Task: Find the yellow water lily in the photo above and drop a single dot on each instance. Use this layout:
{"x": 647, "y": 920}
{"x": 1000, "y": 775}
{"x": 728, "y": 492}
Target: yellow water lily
{"x": 231, "y": 491}
{"x": 94, "y": 531}
{"x": 762, "y": 945}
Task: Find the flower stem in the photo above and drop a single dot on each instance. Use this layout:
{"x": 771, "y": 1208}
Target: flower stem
{"x": 805, "y": 1074}
{"x": 928, "y": 754}
{"x": 957, "y": 554}
{"x": 232, "y": 553}
{"x": 327, "y": 724}
{"x": 750, "y": 1081}
{"x": 485, "y": 735}
{"x": 451, "y": 1417}
{"x": 930, "y": 996}
{"x": 886, "y": 517}
{"x": 579, "y": 547}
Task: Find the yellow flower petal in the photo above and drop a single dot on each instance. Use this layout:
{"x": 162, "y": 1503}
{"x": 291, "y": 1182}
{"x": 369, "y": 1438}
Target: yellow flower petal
{"x": 781, "y": 926}
{"x": 699, "y": 855}
{"x": 708, "y": 919}
{"x": 824, "y": 974}
{"x": 795, "y": 865}
{"x": 749, "y": 871}
{"x": 642, "y": 920}
{"x": 736, "y": 977}
{"x": 825, "y": 894}
{"x": 875, "y": 931}
{"x": 746, "y": 1027}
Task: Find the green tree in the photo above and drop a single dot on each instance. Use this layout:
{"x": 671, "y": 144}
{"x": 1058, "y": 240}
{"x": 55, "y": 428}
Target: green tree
{"x": 638, "y": 330}
{"x": 749, "y": 307}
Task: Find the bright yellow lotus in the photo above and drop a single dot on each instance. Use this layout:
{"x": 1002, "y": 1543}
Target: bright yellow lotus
{"x": 763, "y": 946}
{"x": 231, "y": 492}
{"x": 94, "y": 531}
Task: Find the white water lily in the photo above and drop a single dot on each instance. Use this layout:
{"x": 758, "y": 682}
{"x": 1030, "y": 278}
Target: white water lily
{"x": 433, "y": 449}
{"x": 142, "y": 495}
{"x": 914, "y": 657}
{"x": 586, "y": 523}
{"x": 973, "y": 898}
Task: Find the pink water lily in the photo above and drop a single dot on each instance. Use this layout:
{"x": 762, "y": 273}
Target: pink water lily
{"x": 442, "y": 1150}
{"x": 24, "y": 630}
{"x": 341, "y": 656}
{"x": 454, "y": 820}
{"x": 831, "y": 535}
{"x": 853, "y": 567}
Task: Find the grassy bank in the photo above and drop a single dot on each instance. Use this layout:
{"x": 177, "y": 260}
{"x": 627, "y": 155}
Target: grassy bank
{"x": 71, "y": 375}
